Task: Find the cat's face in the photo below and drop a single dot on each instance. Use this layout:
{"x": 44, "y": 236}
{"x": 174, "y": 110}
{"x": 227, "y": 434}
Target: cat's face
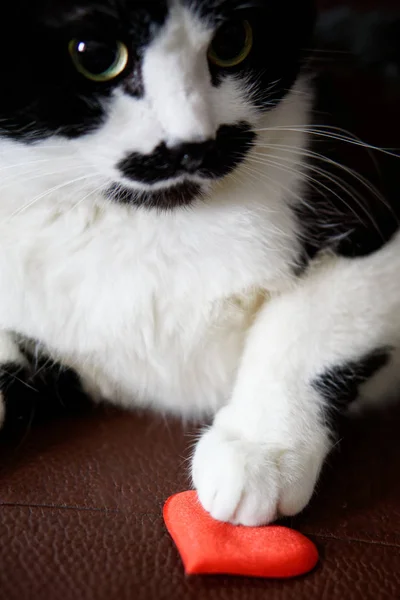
{"x": 154, "y": 99}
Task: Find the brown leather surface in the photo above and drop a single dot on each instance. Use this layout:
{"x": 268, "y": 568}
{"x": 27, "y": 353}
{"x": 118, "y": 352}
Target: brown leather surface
{"x": 81, "y": 502}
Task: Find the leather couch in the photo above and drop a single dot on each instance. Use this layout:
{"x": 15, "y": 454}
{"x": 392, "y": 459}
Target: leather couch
{"x": 81, "y": 499}
{"x": 81, "y": 502}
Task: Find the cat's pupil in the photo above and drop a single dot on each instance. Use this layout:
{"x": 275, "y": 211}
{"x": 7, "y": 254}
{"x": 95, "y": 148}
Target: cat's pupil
{"x": 97, "y": 57}
{"x": 230, "y": 40}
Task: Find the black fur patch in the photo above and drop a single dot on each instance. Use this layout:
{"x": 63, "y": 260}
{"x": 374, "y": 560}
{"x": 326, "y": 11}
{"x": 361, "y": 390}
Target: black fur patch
{"x": 221, "y": 157}
{"x": 40, "y": 394}
{"x": 42, "y": 92}
{"x": 182, "y": 194}
{"x": 282, "y": 33}
{"x": 339, "y": 385}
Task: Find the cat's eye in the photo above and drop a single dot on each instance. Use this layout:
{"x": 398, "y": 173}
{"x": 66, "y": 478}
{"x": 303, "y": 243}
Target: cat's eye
{"x": 231, "y": 45}
{"x": 99, "y": 61}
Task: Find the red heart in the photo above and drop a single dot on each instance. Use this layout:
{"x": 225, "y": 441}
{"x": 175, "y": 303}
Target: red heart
{"x": 209, "y": 546}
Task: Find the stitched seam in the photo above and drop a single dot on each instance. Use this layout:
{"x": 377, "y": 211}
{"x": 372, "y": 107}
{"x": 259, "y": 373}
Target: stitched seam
{"x": 153, "y": 515}
{"x": 59, "y": 507}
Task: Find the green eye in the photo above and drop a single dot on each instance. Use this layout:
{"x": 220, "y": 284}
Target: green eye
{"x": 231, "y": 45}
{"x": 99, "y": 61}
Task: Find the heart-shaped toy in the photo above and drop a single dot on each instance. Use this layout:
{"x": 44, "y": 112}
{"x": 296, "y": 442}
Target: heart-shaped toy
{"x": 208, "y": 546}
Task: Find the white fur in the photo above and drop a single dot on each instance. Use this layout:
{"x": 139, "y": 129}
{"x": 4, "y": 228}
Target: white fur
{"x": 170, "y": 310}
{"x": 265, "y": 450}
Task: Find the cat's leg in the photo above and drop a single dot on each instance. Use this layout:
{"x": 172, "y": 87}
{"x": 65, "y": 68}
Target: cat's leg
{"x": 307, "y": 355}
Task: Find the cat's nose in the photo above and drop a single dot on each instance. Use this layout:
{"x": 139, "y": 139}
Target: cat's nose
{"x": 190, "y": 157}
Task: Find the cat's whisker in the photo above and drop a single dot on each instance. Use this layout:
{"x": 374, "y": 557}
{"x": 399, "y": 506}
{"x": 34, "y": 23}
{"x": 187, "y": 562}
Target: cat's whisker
{"x": 336, "y": 181}
{"x": 331, "y": 177}
{"x": 25, "y": 177}
{"x": 275, "y": 186}
{"x": 310, "y": 154}
{"x": 313, "y": 181}
{"x": 267, "y": 178}
{"x": 32, "y": 162}
{"x": 255, "y": 177}
{"x": 325, "y": 51}
{"x": 91, "y": 193}
{"x": 325, "y": 131}
{"x": 47, "y": 192}
{"x": 291, "y": 169}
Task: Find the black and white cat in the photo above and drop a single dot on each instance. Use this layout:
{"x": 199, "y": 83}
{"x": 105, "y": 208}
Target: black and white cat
{"x": 170, "y": 231}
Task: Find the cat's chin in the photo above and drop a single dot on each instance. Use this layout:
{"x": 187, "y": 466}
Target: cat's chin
{"x": 180, "y": 194}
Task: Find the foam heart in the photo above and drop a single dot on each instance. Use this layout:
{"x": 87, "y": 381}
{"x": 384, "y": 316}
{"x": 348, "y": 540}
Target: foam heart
{"x": 209, "y": 546}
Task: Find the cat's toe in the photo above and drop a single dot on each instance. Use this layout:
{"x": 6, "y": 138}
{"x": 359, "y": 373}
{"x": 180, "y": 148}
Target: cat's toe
{"x": 251, "y": 483}
{"x": 235, "y": 482}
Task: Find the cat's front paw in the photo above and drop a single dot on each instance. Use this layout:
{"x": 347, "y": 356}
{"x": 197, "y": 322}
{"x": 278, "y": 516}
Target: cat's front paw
{"x": 252, "y": 483}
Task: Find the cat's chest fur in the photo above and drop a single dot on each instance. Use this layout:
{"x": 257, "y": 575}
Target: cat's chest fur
{"x": 155, "y": 306}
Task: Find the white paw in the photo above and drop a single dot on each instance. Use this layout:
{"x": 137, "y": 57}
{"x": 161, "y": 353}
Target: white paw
{"x": 251, "y": 483}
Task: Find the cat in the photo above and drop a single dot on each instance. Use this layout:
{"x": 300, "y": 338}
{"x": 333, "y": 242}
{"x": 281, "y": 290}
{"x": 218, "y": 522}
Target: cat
{"x": 171, "y": 232}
